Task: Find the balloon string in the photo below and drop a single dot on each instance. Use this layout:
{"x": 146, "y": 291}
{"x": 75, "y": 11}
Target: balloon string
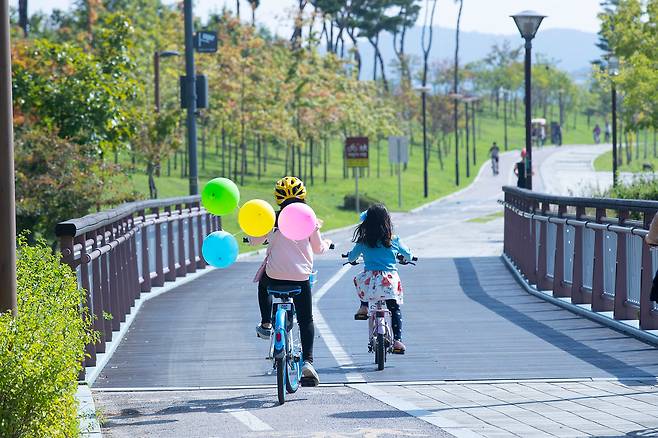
{"x": 238, "y": 233}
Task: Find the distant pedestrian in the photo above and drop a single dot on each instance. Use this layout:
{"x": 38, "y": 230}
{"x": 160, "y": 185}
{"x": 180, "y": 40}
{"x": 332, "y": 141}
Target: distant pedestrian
{"x": 520, "y": 170}
{"x": 608, "y": 132}
{"x": 494, "y": 153}
{"x": 597, "y": 134}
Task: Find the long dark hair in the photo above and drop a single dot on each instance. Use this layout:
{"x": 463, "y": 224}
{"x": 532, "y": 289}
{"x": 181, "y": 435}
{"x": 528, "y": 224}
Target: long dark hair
{"x": 376, "y": 229}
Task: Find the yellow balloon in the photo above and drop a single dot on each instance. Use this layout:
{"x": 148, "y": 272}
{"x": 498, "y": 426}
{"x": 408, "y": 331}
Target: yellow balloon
{"x": 256, "y": 218}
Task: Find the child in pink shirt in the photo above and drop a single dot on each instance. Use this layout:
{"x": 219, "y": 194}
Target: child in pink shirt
{"x": 290, "y": 262}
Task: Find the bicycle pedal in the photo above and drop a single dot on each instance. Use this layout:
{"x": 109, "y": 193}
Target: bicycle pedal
{"x": 308, "y": 382}
{"x": 395, "y": 351}
{"x": 360, "y": 317}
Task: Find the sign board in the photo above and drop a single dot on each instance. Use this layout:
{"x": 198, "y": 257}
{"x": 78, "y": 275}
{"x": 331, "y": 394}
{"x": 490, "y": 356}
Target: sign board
{"x": 398, "y": 150}
{"x": 205, "y": 41}
{"x": 356, "y": 151}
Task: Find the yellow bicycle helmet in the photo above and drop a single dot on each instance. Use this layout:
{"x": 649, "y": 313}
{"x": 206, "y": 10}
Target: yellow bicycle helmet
{"x": 289, "y": 187}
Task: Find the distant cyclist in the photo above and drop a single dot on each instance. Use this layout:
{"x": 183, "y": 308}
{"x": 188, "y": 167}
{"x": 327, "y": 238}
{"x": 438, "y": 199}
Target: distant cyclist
{"x": 494, "y": 153}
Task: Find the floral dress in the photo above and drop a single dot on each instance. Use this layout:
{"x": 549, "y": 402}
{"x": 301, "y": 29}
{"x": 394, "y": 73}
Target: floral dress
{"x": 379, "y": 285}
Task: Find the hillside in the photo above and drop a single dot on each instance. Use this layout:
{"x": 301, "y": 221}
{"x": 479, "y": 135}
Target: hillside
{"x": 574, "y": 49}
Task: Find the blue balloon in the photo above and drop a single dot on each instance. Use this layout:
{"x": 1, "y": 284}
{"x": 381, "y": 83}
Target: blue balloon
{"x": 362, "y": 216}
{"x": 220, "y": 249}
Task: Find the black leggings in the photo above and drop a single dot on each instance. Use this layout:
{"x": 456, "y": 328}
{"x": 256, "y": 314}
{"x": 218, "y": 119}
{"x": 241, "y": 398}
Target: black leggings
{"x": 396, "y": 317}
{"x": 303, "y": 307}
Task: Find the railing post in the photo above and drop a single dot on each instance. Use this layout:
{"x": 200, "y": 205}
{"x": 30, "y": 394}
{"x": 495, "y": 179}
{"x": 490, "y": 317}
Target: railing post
{"x": 560, "y": 289}
{"x": 622, "y": 310}
{"x": 126, "y": 292}
{"x": 191, "y": 242}
{"x": 543, "y": 282}
{"x": 171, "y": 257}
{"x": 97, "y": 293}
{"x": 159, "y": 268}
{"x": 115, "y": 286}
{"x": 531, "y": 275}
{"x": 648, "y": 317}
{"x": 599, "y": 302}
{"x": 146, "y": 270}
{"x": 106, "y": 290}
{"x": 182, "y": 268}
{"x": 578, "y": 295}
{"x": 90, "y": 348}
{"x": 201, "y": 263}
{"x": 131, "y": 248}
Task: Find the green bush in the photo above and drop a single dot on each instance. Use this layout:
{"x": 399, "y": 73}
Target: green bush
{"x": 639, "y": 188}
{"x": 365, "y": 201}
{"x": 42, "y": 348}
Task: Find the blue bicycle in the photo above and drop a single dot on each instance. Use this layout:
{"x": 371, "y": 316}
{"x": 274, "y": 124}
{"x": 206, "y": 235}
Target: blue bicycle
{"x": 285, "y": 346}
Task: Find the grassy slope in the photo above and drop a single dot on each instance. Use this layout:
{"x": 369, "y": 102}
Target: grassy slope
{"x": 604, "y": 161}
{"x": 326, "y": 199}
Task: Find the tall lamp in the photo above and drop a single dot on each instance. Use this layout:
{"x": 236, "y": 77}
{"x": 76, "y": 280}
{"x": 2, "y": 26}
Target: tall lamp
{"x": 613, "y": 70}
{"x": 528, "y": 22}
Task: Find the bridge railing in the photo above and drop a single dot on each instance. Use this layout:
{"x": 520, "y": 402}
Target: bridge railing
{"x": 120, "y": 253}
{"x": 590, "y": 250}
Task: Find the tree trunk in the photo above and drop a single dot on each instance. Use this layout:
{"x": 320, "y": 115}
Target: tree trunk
{"x": 203, "y": 146}
{"x": 311, "y": 158}
{"x": 326, "y": 157}
{"x": 153, "y": 191}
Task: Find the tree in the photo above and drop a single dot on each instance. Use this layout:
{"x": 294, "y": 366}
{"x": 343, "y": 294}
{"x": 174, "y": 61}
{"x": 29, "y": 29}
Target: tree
{"x": 254, "y": 5}
{"x": 456, "y": 91}
{"x": 155, "y": 141}
{"x": 408, "y": 14}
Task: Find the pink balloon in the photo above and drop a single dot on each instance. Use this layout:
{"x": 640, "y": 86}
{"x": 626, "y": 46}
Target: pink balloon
{"x": 297, "y": 221}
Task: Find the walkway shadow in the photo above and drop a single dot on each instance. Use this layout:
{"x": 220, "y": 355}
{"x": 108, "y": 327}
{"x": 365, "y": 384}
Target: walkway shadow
{"x": 370, "y": 414}
{"x": 470, "y": 284}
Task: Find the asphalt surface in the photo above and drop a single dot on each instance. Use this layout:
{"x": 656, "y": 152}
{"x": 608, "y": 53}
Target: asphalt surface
{"x": 464, "y": 318}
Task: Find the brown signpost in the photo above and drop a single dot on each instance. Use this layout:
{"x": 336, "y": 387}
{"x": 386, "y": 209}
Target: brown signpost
{"x": 7, "y": 206}
{"x": 356, "y": 156}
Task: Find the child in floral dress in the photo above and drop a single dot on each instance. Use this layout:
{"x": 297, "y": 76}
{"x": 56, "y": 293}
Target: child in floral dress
{"x": 380, "y": 280}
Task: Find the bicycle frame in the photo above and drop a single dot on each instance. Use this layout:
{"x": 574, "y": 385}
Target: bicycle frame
{"x": 379, "y": 322}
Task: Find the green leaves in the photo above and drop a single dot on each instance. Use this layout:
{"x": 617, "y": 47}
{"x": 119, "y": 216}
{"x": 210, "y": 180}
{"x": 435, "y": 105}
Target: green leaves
{"x": 42, "y": 348}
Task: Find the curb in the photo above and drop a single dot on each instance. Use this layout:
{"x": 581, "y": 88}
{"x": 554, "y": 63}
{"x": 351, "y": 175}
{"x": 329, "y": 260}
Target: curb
{"x": 89, "y": 425}
{"x": 628, "y": 327}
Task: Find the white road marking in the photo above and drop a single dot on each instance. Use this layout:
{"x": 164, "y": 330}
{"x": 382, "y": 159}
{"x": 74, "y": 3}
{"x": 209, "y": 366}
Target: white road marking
{"x": 434, "y": 418}
{"x": 337, "y": 351}
{"x": 250, "y": 420}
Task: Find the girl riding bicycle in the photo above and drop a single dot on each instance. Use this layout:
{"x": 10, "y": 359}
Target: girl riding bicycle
{"x": 290, "y": 262}
{"x": 380, "y": 248}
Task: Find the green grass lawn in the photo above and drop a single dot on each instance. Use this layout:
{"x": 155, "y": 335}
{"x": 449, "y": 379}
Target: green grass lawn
{"x": 604, "y": 161}
{"x": 327, "y": 199}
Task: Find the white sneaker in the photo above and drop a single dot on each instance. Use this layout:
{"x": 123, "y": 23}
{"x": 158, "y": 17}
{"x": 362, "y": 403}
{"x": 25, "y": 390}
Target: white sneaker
{"x": 262, "y": 332}
{"x": 309, "y": 373}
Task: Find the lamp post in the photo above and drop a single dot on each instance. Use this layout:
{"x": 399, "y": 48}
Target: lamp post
{"x": 423, "y": 96}
{"x": 505, "y": 97}
{"x": 528, "y": 22}
{"x": 467, "y": 119}
{"x": 455, "y": 97}
{"x": 190, "y": 76}
{"x": 156, "y": 71}
{"x": 613, "y": 70}
{"x": 7, "y": 193}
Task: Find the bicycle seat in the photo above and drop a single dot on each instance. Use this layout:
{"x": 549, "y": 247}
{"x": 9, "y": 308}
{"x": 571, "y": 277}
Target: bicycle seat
{"x": 284, "y": 290}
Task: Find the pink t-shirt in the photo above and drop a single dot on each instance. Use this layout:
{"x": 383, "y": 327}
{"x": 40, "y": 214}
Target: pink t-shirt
{"x": 290, "y": 259}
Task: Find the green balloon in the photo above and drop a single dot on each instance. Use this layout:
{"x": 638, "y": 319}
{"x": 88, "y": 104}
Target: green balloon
{"x": 220, "y": 196}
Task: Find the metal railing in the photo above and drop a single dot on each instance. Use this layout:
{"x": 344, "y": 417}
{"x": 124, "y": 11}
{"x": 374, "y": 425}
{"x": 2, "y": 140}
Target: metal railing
{"x": 120, "y": 253}
{"x": 590, "y": 250}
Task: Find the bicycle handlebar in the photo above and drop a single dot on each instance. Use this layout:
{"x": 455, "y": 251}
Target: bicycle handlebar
{"x": 246, "y": 240}
{"x": 400, "y": 258}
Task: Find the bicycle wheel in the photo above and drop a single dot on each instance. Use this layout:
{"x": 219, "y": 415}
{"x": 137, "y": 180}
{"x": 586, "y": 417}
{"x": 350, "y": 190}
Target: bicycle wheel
{"x": 281, "y": 379}
{"x": 380, "y": 352}
{"x": 293, "y": 371}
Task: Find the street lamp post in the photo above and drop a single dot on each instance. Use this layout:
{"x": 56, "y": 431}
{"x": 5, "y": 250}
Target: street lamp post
{"x": 190, "y": 96}
{"x": 473, "y": 106}
{"x": 528, "y": 22}
{"x": 455, "y": 97}
{"x": 613, "y": 70}
{"x": 423, "y": 96}
{"x": 505, "y": 97}
{"x": 7, "y": 192}
{"x": 156, "y": 72}
{"x": 467, "y": 119}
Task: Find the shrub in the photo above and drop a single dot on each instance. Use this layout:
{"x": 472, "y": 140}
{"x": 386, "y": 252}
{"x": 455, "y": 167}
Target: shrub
{"x": 365, "y": 201}
{"x": 41, "y": 349}
{"x": 641, "y": 187}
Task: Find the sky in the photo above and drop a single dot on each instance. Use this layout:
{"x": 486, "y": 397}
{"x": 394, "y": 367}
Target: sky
{"x": 486, "y": 16}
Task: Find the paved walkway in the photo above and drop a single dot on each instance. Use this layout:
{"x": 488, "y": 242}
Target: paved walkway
{"x": 465, "y": 320}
